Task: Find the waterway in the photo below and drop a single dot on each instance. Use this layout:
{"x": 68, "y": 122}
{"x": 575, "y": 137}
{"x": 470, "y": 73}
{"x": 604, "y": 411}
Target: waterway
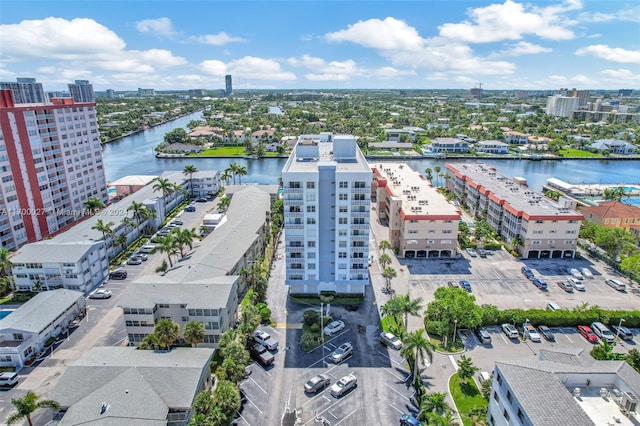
{"x": 135, "y": 155}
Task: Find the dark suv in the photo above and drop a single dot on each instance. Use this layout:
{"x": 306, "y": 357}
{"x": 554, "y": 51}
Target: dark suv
{"x": 118, "y": 275}
{"x": 527, "y": 272}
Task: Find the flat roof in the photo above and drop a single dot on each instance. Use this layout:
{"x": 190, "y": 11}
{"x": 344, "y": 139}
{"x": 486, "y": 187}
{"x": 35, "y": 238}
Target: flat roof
{"x": 150, "y": 290}
{"x": 133, "y": 180}
{"x": 48, "y": 251}
{"x": 486, "y": 179}
{"x": 40, "y": 311}
{"x": 326, "y": 155}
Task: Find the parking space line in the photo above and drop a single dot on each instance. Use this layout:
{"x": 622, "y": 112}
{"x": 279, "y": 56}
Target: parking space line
{"x": 503, "y": 338}
{"x": 259, "y": 387}
{"x": 396, "y": 408}
{"x": 404, "y": 396}
{"x": 344, "y": 398}
{"x": 249, "y": 399}
{"x": 332, "y": 415}
{"x": 346, "y": 417}
{"x": 568, "y": 338}
{"x": 244, "y": 420}
{"x": 395, "y": 375}
{"x": 391, "y": 359}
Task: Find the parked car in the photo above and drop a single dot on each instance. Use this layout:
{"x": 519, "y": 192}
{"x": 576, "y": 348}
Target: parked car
{"x": 531, "y": 333}
{"x": 577, "y": 284}
{"x": 190, "y": 208}
{"x": 472, "y": 252}
{"x": 552, "y": 306}
{"x": 370, "y": 260}
{"x": 615, "y": 284}
{"x": 342, "y": 352}
{"x": 527, "y": 272}
{"x": 586, "y": 272}
{"x": 334, "y": 327}
{"x": 260, "y": 354}
{"x": 141, "y": 256}
{"x": 575, "y": 273}
{"x": 118, "y": 275}
{"x": 201, "y": 200}
{"x": 344, "y": 385}
{"x": 588, "y": 333}
{"x": 465, "y": 284}
{"x": 265, "y": 339}
{"x": 482, "y": 252}
{"x": 483, "y": 335}
{"x": 134, "y": 260}
{"x": 8, "y": 378}
{"x": 317, "y": 383}
{"x": 100, "y": 294}
{"x": 603, "y": 332}
{"x": 484, "y": 376}
{"x": 177, "y": 221}
{"x": 546, "y": 333}
{"x": 510, "y": 331}
{"x": 540, "y": 283}
{"x": 566, "y": 286}
{"x": 390, "y": 340}
{"x": 623, "y": 332}
{"x": 409, "y": 420}
{"x": 147, "y": 248}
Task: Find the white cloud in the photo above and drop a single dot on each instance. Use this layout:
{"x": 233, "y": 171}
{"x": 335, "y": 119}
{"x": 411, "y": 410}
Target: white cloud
{"x": 307, "y": 61}
{"x": 251, "y": 67}
{"x": 322, "y": 70}
{"x": 522, "y": 48}
{"x": 160, "y": 57}
{"x": 219, "y": 39}
{"x": 613, "y": 54}
{"x": 624, "y": 15}
{"x": 510, "y": 21}
{"x": 620, "y": 75}
{"x": 387, "y": 34}
{"x": 160, "y": 26}
{"x": 213, "y": 67}
{"x": 578, "y": 80}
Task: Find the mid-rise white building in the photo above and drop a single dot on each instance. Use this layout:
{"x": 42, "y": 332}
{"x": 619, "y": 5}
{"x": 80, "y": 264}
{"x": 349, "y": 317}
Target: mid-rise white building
{"x": 327, "y": 196}
{"x": 561, "y": 106}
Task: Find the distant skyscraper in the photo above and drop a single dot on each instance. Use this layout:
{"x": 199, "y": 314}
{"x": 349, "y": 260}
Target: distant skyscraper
{"x": 561, "y": 106}
{"x": 25, "y": 91}
{"x": 146, "y": 93}
{"x": 228, "y": 85}
{"x": 197, "y": 93}
{"x": 625, "y": 92}
{"x": 82, "y": 91}
{"x": 111, "y": 94}
{"x": 57, "y": 94}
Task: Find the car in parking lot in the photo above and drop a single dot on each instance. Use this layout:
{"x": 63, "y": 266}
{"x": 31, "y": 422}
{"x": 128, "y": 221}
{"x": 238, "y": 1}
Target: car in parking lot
{"x": 342, "y": 352}
{"x": 577, "y": 284}
{"x": 390, "y": 340}
{"x": 623, "y": 332}
{"x": 118, "y": 275}
{"x": 100, "y": 294}
{"x": 484, "y": 376}
{"x": 510, "y": 331}
{"x": 317, "y": 383}
{"x": 260, "y": 354}
{"x": 265, "y": 340}
{"x": 134, "y": 260}
{"x": 190, "y": 208}
{"x": 201, "y": 200}
{"x": 370, "y": 260}
{"x": 530, "y": 332}
{"x": 334, "y": 327}
{"x": 603, "y": 332}
{"x": 586, "y": 272}
{"x": 615, "y": 284}
{"x": 566, "y": 286}
{"x": 527, "y": 272}
{"x": 575, "y": 273}
{"x": 140, "y": 256}
{"x": 483, "y": 335}
{"x": 472, "y": 252}
{"x": 465, "y": 284}
{"x": 588, "y": 333}
{"x": 409, "y": 420}
{"x": 177, "y": 222}
{"x": 482, "y": 252}
{"x": 344, "y": 385}
{"x": 546, "y": 333}
{"x": 540, "y": 283}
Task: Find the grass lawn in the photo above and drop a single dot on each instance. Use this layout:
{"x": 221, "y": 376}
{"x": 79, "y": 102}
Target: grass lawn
{"x": 457, "y": 346}
{"x": 572, "y": 152}
{"x": 466, "y": 396}
{"x": 223, "y": 151}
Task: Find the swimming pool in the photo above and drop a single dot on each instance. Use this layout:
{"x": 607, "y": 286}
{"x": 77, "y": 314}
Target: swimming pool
{"x": 4, "y": 314}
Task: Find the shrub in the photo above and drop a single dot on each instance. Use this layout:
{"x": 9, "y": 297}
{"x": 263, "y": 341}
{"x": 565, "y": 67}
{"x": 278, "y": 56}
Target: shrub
{"x": 315, "y": 328}
{"x": 310, "y": 317}
{"x": 265, "y": 314}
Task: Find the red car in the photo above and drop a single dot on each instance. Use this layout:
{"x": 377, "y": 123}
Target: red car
{"x": 587, "y": 333}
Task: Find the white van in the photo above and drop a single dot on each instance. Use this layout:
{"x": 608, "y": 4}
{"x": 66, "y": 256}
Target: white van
{"x": 8, "y": 379}
{"x": 147, "y": 249}
{"x": 553, "y": 306}
{"x": 603, "y": 332}
{"x": 615, "y": 284}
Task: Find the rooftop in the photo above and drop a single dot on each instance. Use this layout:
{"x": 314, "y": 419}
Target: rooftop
{"x": 151, "y": 290}
{"x": 612, "y": 209}
{"x": 523, "y": 200}
{"x": 133, "y": 180}
{"x": 326, "y": 149}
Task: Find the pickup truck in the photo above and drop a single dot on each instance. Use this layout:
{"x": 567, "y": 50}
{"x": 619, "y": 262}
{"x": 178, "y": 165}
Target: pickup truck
{"x": 260, "y": 354}
{"x": 265, "y": 340}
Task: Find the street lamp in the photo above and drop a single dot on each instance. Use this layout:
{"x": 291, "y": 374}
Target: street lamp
{"x": 322, "y": 329}
{"x": 619, "y": 325}
{"x": 455, "y": 325}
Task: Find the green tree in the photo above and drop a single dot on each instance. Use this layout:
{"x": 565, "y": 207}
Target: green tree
{"x": 428, "y": 174}
{"x": 389, "y": 273}
{"x": 434, "y": 402}
{"x": 466, "y": 369}
{"x": 177, "y": 135}
{"x": 633, "y": 358}
{"x": 194, "y": 332}
{"x": 416, "y": 348}
{"x": 165, "y": 187}
{"x": 93, "y": 204}
{"x": 250, "y": 319}
{"x": 485, "y": 388}
{"x": 241, "y": 171}
{"x": 384, "y": 260}
{"x": 5, "y": 261}
{"x": 437, "y": 169}
{"x": 189, "y": 170}
{"x": 231, "y": 370}
{"x": 631, "y": 265}
{"x": 106, "y": 229}
{"x": 451, "y": 306}
{"x": 137, "y": 209}
{"x": 227, "y": 397}
{"x": 223, "y": 203}
{"x": 385, "y": 245}
{"x": 404, "y": 305}
{"x": 184, "y": 238}
{"x": 236, "y": 351}
{"x": 150, "y": 342}
{"x": 27, "y": 405}
{"x": 613, "y": 194}
{"x": 167, "y": 331}
{"x": 168, "y": 246}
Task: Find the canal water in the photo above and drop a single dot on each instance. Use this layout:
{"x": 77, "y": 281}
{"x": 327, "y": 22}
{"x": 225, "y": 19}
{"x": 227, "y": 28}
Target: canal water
{"x": 135, "y": 155}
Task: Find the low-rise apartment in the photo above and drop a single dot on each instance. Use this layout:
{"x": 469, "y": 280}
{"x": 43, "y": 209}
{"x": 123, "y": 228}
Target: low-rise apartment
{"x": 422, "y": 223}
{"x": 536, "y": 226}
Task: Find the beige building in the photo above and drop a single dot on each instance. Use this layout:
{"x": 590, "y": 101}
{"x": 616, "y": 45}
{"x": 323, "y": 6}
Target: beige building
{"x": 422, "y": 223}
{"x": 542, "y": 227}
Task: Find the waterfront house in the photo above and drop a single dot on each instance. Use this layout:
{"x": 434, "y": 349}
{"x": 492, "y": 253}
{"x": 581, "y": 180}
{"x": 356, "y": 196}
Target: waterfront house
{"x": 614, "y": 146}
{"x": 452, "y": 145}
{"x": 492, "y": 147}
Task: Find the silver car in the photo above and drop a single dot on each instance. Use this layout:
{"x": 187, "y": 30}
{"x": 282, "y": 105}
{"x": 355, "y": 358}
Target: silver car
{"x": 317, "y": 383}
{"x": 100, "y": 294}
{"x": 390, "y": 340}
{"x": 343, "y": 352}
{"x": 344, "y": 385}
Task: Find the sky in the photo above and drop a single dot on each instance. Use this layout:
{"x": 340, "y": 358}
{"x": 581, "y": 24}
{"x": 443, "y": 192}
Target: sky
{"x": 330, "y": 44}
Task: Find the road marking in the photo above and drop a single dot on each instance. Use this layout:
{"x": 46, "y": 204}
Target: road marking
{"x": 249, "y": 399}
{"x": 259, "y": 387}
{"x": 503, "y": 338}
{"x": 347, "y": 416}
{"x": 391, "y": 359}
{"x": 404, "y": 396}
{"x": 567, "y": 338}
{"x": 394, "y": 375}
{"x": 344, "y": 398}
{"x": 396, "y": 408}
{"x": 332, "y": 415}
{"x": 243, "y": 419}
{"x": 453, "y": 362}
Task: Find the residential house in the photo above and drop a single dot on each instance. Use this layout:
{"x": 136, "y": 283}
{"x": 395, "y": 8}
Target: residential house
{"x": 399, "y": 135}
{"x": 513, "y": 137}
{"x": 181, "y": 148}
{"x": 613, "y": 214}
{"x": 614, "y": 146}
{"x": 263, "y": 136}
{"x": 492, "y": 147}
{"x": 452, "y": 145}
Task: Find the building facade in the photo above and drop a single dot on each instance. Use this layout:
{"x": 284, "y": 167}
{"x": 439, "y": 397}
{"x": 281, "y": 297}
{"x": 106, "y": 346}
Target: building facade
{"x": 228, "y": 85}
{"x": 82, "y": 91}
{"x": 25, "y": 91}
{"x": 327, "y": 196}
{"x": 536, "y": 226}
{"x": 492, "y": 147}
{"x": 422, "y": 223}
{"x": 453, "y": 145}
{"x": 613, "y": 214}
{"x": 561, "y": 106}
{"x": 50, "y": 164}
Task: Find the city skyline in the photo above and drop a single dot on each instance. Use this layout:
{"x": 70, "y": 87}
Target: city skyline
{"x": 323, "y": 44}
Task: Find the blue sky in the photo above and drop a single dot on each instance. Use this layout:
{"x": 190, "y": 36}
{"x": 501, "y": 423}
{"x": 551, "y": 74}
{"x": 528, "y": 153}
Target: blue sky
{"x": 323, "y": 44}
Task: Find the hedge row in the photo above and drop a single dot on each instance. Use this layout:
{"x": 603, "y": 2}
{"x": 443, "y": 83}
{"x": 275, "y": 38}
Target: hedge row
{"x": 568, "y": 318}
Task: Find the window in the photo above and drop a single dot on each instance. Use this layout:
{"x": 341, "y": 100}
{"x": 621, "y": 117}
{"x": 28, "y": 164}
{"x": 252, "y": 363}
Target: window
{"x": 520, "y": 416}
{"x": 499, "y": 378}
{"x": 311, "y": 209}
{"x": 343, "y": 184}
{"x": 311, "y": 243}
{"x": 343, "y": 197}
{"x": 311, "y": 185}
{"x": 342, "y": 220}
{"x": 311, "y": 221}
{"x": 509, "y": 397}
{"x": 495, "y": 396}
{"x": 506, "y": 415}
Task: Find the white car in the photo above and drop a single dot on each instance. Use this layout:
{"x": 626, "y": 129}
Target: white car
{"x": 342, "y": 352}
{"x": 577, "y": 284}
{"x": 510, "y": 331}
{"x": 334, "y": 327}
{"x": 344, "y": 385}
{"x": 472, "y": 252}
{"x": 265, "y": 340}
{"x": 530, "y": 332}
{"x": 100, "y": 294}
{"x": 575, "y": 273}
{"x": 586, "y": 272}
{"x": 390, "y": 340}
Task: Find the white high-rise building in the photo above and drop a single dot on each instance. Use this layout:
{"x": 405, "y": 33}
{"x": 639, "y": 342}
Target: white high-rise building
{"x": 327, "y": 196}
{"x": 561, "y": 106}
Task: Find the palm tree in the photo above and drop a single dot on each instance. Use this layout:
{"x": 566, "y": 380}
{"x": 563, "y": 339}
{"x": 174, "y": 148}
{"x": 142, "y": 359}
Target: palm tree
{"x": 194, "y": 332}
{"x": 389, "y": 274}
{"x": 408, "y": 307}
{"x": 437, "y": 170}
{"x": 385, "y": 245}
{"x": 138, "y": 211}
{"x": 167, "y": 332}
{"x": 613, "y": 194}
{"x": 128, "y": 224}
{"x": 168, "y": 246}
{"x": 165, "y": 187}
{"x": 223, "y": 204}
{"x": 5, "y": 263}
{"x": 231, "y": 171}
{"x": 434, "y": 402}
{"x": 189, "y": 170}
{"x": 104, "y": 228}
{"x": 148, "y": 213}
{"x": 26, "y": 405}
{"x": 384, "y": 260}
{"x": 429, "y": 174}
{"x": 225, "y": 176}
{"x": 150, "y": 342}
{"x": 185, "y": 237}
{"x": 416, "y": 348}
{"x": 93, "y": 205}
{"x": 241, "y": 171}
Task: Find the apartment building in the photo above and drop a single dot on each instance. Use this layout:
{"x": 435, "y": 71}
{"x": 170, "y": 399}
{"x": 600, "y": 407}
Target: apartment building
{"x": 25, "y": 90}
{"x": 327, "y": 196}
{"x": 50, "y": 164}
{"x": 492, "y": 147}
{"x": 564, "y": 388}
{"x": 613, "y": 214}
{"x": 537, "y": 226}
{"x": 511, "y": 136}
{"x": 422, "y": 223}
{"x": 561, "y": 106}
{"x": 452, "y": 145}
{"x": 82, "y": 91}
